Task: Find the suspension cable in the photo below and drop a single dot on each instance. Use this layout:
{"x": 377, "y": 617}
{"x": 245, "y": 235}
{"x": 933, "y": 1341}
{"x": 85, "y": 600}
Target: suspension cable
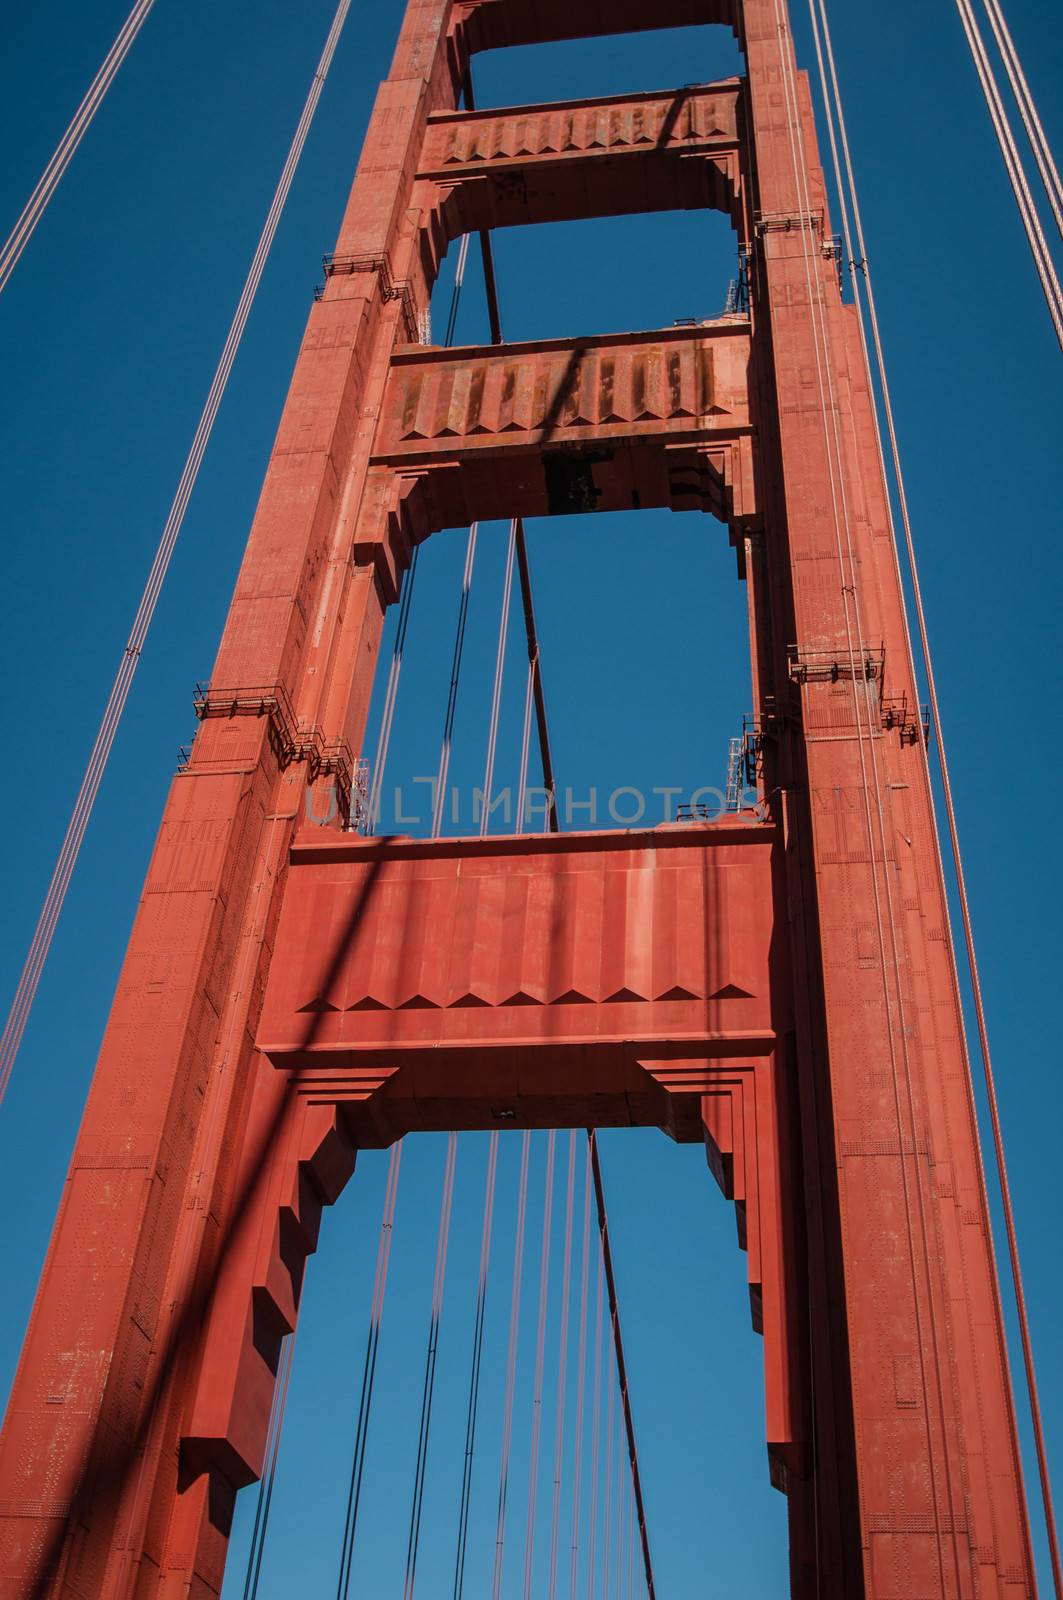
{"x": 834, "y": 108}
{"x": 430, "y": 1368}
{"x": 269, "y": 1475}
{"x": 388, "y": 713}
{"x": 562, "y": 1362}
{"x": 63, "y": 154}
{"x": 455, "y": 678}
{"x": 496, "y": 696}
{"x": 596, "y": 1433}
{"x": 621, "y": 1526}
{"x": 581, "y": 1371}
{"x": 90, "y": 784}
{"x": 365, "y": 1402}
{"x": 455, "y": 294}
{"x": 618, "y": 1350}
{"x": 535, "y": 679}
{"x": 474, "y": 1376}
{"x": 540, "y": 1353}
{"x": 535, "y": 697}
{"x": 525, "y": 747}
{"x": 873, "y": 805}
{"x": 511, "y": 1365}
{"x": 607, "y": 1480}
{"x": 1042, "y": 150}
{"x": 535, "y": 676}
{"x": 1013, "y": 165}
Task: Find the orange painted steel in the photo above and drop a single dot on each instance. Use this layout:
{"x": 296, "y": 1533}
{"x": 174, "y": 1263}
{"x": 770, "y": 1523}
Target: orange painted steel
{"x": 777, "y": 985}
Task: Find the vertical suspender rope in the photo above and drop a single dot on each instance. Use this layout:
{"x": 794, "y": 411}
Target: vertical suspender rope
{"x": 496, "y": 697}
{"x": 540, "y": 1352}
{"x": 525, "y": 746}
{"x": 607, "y": 1480}
{"x": 474, "y": 1376}
{"x": 581, "y": 1370}
{"x": 365, "y": 1403}
{"x": 596, "y": 1435}
{"x": 621, "y": 1365}
{"x": 834, "y": 100}
{"x": 64, "y": 152}
{"x": 535, "y": 678}
{"x": 492, "y": 1158}
{"x": 871, "y": 791}
{"x": 265, "y": 1487}
{"x": 511, "y": 1366}
{"x": 455, "y": 298}
{"x": 387, "y": 715}
{"x": 455, "y": 678}
{"x": 562, "y": 1364}
{"x": 430, "y": 1368}
{"x": 535, "y": 698}
{"x": 621, "y": 1525}
{"x": 90, "y": 784}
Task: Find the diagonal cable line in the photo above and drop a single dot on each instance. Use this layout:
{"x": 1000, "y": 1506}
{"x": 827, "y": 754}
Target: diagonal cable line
{"x": 18, "y": 1016}
{"x": 834, "y": 108}
{"x": 1020, "y": 88}
{"x": 65, "y": 150}
{"x": 998, "y": 116}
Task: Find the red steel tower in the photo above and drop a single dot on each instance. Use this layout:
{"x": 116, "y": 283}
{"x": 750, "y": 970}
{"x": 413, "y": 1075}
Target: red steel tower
{"x": 780, "y": 984}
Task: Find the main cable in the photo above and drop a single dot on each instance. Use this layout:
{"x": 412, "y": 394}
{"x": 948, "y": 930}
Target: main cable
{"x": 1020, "y": 88}
{"x": 897, "y": 1031}
{"x": 90, "y": 784}
{"x": 1013, "y": 166}
{"x": 64, "y": 152}
{"x": 834, "y": 100}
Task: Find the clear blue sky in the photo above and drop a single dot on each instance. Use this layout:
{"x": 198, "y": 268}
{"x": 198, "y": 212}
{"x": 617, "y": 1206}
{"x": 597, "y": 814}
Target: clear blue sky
{"x": 110, "y": 329}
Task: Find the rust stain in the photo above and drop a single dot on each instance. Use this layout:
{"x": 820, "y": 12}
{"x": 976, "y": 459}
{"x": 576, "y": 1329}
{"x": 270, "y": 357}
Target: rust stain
{"x": 675, "y": 384}
{"x": 411, "y": 401}
{"x": 606, "y": 388}
{"x": 476, "y": 399}
{"x": 638, "y": 384}
{"x": 706, "y": 379}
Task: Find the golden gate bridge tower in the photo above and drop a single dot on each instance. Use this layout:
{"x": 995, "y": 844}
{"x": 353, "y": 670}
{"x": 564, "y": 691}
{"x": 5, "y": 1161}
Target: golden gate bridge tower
{"x": 779, "y": 983}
